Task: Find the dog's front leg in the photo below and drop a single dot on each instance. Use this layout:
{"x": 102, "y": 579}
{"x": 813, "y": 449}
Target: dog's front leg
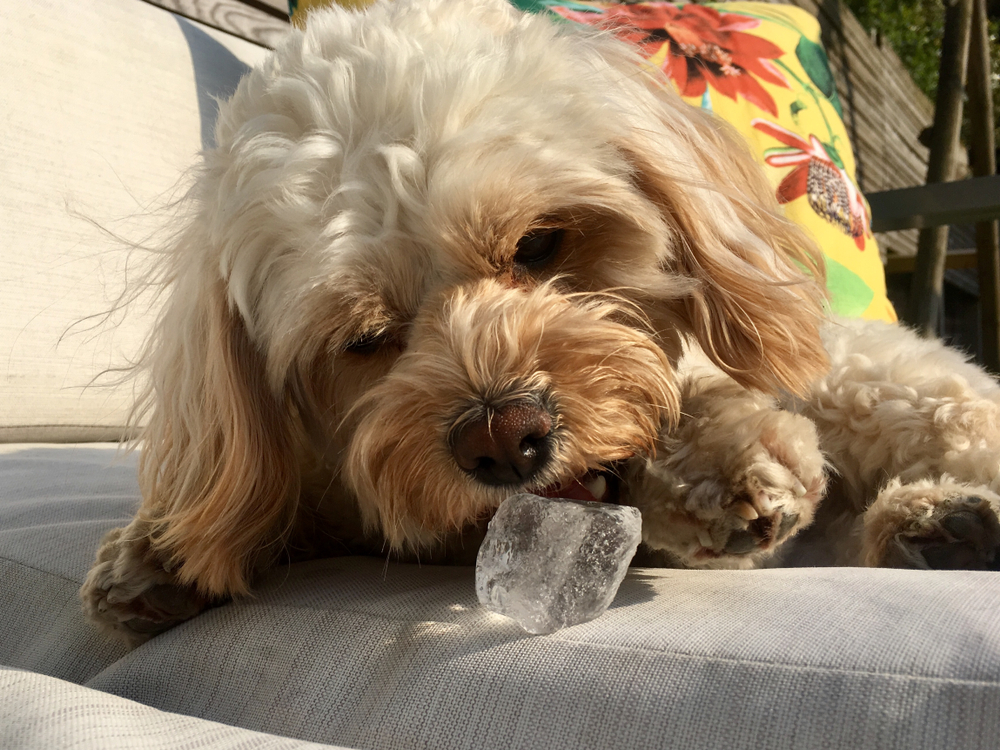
{"x": 937, "y": 524}
{"x": 219, "y": 471}
{"x": 913, "y": 431}
{"x": 132, "y": 591}
{"x": 732, "y": 481}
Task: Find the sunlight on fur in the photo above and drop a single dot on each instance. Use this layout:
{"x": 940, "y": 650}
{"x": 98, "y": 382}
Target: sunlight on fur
{"x": 444, "y": 252}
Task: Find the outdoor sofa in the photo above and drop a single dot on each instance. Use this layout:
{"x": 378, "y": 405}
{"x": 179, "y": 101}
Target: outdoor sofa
{"x": 103, "y": 106}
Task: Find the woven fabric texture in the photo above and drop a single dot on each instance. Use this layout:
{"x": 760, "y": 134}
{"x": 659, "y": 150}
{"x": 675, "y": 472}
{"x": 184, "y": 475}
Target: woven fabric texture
{"x": 365, "y": 654}
{"x": 43, "y": 712}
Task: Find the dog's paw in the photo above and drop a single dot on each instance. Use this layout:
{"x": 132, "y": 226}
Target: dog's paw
{"x": 936, "y": 525}
{"x": 131, "y": 594}
{"x": 734, "y": 504}
{"x": 749, "y": 521}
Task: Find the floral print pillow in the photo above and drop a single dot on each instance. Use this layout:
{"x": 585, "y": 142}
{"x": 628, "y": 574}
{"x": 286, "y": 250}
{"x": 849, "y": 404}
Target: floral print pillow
{"x": 762, "y": 68}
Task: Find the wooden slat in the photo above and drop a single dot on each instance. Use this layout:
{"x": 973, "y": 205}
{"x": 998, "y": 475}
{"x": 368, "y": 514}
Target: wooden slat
{"x": 280, "y": 6}
{"x": 960, "y": 202}
{"x": 902, "y": 243}
{"x": 926, "y": 302}
{"x": 962, "y": 260}
{"x": 981, "y": 138}
{"x": 884, "y": 111}
{"x": 234, "y": 17}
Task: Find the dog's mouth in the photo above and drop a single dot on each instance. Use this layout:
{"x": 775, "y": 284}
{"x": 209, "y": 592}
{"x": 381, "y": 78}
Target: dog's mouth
{"x": 597, "y": 486}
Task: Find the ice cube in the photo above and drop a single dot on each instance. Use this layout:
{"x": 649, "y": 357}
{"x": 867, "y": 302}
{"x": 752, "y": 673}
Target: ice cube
{"x": 551, "y": 563}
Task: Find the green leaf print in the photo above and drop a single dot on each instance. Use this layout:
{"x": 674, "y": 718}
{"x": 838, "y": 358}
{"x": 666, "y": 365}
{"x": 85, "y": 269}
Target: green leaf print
{"x": 849, "y": 294}
{"x": 542, "y": 6}
{"x": 834, "y": 155}
{"x": 817, "y": 67}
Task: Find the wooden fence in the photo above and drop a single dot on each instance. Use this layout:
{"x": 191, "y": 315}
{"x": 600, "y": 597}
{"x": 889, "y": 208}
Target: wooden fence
{"x": 884, "y": 110}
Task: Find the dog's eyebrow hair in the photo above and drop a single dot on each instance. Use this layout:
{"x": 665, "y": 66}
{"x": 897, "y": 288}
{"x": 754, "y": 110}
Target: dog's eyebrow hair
{"x": 387, "y": 323}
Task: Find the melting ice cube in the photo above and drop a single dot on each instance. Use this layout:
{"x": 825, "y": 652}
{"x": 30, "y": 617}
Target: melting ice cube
{"x": 551, "y": 563}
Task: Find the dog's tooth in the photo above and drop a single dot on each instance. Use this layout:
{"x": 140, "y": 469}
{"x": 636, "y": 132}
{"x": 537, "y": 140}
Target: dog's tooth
{"x": 705, "y": 538}
{"x": 597, "y": 487}
{"x": 799, "y": 489}
{"x": 764, "y": 505}
{"x": 745, "y": 511}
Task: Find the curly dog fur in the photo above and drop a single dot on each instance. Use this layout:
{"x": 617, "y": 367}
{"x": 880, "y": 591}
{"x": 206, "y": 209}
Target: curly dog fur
{"x": 447, "y": 251}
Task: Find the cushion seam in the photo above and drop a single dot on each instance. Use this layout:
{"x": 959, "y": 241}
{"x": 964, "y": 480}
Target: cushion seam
{"x": 4, "y": 558}
{"x": 688, "y": 655}
{"x": 786, "y": 665}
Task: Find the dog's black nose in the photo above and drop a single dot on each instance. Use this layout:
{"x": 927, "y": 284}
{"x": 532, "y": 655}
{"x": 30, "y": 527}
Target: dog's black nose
{"x": 508, "y": 446}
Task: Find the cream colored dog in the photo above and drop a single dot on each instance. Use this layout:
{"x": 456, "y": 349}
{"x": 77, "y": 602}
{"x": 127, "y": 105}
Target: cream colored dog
{"x": 444, "y": 252}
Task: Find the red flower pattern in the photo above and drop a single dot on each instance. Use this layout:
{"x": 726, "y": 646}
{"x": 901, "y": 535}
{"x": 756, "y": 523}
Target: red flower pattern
{"x": 830, "y": 191}
{"x": 703, "y": 47}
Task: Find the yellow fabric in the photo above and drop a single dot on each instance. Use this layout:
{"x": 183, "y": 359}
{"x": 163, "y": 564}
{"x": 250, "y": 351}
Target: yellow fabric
{"x": 762, "y": 68}
{"x": 852, "y": 259}
{"x": 299, "y": 9}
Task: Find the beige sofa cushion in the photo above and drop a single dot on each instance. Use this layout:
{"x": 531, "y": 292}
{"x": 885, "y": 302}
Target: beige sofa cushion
{"x": 363, "y": 653}
{"x": 105, "y": 103}
{"x": 43, "y": 712}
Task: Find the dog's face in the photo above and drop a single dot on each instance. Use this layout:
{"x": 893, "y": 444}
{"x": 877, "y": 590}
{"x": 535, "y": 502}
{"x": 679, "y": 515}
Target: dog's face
{"x": 450, "y": 252}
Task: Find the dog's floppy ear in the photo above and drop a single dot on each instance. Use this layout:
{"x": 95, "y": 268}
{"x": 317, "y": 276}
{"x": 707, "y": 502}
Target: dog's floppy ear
{"x": 758, "y": 294}
{"x": 217, "y": 471}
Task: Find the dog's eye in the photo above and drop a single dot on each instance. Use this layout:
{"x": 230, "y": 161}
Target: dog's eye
{"x": 368, "y": 342}
{"x": 538, "y": 249}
